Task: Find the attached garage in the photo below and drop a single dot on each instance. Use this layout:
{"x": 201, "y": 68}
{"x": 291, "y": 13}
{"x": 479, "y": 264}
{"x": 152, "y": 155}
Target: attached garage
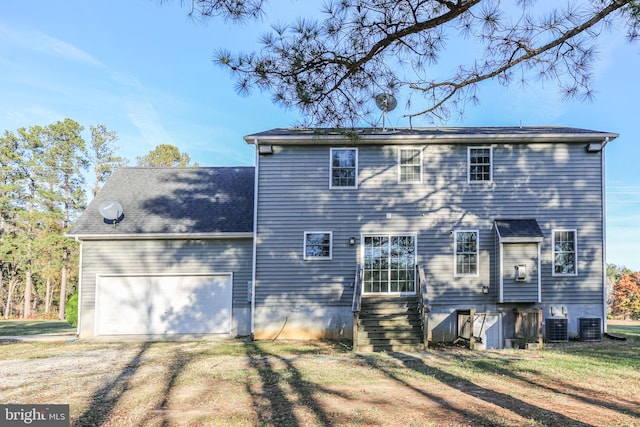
{"x": 164, "y": 304}
{"x": 176, "y": 263}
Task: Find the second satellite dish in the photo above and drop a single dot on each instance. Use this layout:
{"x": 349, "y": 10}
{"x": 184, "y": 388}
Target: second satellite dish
{"x": 112, "y": 212}
{"x": 386, "y": 102}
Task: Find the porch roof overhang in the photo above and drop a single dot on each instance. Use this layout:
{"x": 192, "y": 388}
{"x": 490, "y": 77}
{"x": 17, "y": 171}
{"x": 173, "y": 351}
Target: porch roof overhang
{"x": 518, "y": 231}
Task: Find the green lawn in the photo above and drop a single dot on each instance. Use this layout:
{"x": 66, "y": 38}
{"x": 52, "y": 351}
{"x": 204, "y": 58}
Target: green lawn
{"x": 38, "y": 327}
{"x": 306, "y": 383}
{"x": 631, "y": 332}
{"x": 34, "y": 327}
{"x": 312, "y": 383}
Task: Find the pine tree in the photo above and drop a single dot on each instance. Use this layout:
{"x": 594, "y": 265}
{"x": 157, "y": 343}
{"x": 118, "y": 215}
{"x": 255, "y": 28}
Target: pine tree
{"x": 10, "y": 177}
{"x": 67, "y": 153}
{"x": 28, "y": 206}
{"x": 330, "y": 69}
{"x": 102, "y": 153}
{"x": 165, "y": 156}
{"x": 42, "y": 190}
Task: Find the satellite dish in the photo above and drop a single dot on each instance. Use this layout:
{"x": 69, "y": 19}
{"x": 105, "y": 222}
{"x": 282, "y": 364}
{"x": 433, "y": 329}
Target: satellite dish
{"x": 112, "y": 212}
{"x": 386, "y": 102}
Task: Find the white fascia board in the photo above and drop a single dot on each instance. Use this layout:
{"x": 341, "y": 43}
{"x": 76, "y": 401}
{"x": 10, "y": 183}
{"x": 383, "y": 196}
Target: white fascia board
{"x": 521, "y": 239}
{"x": 162, "y": 236}
{"x": 449, "y": 138}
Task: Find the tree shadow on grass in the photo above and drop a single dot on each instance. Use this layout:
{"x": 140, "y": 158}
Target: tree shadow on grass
{"x": 105, "y": 399}
{"x": 162, "y": 411}
{"x": 272, "y": 404}
{"x": 474, "y": 417}
{"x": 470, "y": 416}
{"x": 561, "y": 387}
{"x": 180, "y": 361}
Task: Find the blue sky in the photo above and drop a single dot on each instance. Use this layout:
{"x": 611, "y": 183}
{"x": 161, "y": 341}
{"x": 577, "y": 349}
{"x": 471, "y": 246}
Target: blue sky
{"x": 145, "y": 71}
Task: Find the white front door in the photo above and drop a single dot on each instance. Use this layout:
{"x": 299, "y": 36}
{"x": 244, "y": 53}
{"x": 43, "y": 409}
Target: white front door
{"x": 389, "y": 264}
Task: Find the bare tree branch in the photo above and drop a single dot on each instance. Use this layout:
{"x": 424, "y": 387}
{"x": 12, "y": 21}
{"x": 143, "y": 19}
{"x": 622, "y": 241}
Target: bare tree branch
{"x": 330, "y": 69}
{"x": 529, "y": 53}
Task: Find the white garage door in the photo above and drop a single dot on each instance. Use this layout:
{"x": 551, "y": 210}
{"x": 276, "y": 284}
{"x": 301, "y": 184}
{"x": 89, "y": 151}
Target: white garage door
{"x": 163, "y": 304}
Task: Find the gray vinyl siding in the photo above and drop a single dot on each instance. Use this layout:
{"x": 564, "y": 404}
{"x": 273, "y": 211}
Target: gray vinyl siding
{"x": 167, "y": 257}
{"x": 557, "y": 184}
{"x": 520, "y": 254}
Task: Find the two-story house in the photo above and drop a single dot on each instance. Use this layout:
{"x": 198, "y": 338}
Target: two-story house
{"x": 488, "y": 226}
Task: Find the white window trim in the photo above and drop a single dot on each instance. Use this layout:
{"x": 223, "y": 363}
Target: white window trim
{"x": 331, "y": 186}
{"x": 304, "y": 248}
{"x": 481, "y": 147}
{"x": 455, "y": 252}
{"x": 553, "y": 252}
{"x": 389, "y": 236}
{"x": 400, "y": 150}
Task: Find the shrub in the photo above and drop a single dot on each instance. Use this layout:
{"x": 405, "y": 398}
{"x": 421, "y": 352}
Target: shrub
{"x": 71, "y": 310}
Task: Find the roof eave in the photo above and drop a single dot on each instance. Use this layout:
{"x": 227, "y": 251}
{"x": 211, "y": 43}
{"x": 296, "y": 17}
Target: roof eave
{"x": 551, "y": 137}
{"x": 161, "y": 236}
{"x": 522, "y": 239}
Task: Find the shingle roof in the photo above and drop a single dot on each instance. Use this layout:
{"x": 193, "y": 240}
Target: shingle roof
{"x": 515, "y": 133}
{"x": 518, "y": 228}
{"x": 174, "y": 200}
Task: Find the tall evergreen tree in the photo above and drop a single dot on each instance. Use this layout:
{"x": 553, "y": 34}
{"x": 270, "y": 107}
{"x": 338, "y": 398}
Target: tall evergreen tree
{"x": 42, "y": 190}
{"x": 26, "y": 214}
{"x": 67, "y": 150}
{"x": 28, "y": 218}
{"x": 10, "y": 158}
{"x": 102, "y": 154}
{"x": 165, "y": 156}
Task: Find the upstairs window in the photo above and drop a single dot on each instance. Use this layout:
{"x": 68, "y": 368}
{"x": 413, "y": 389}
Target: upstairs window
{"x": 344, "y": 168}
{"x": 479, "y": 161}
{"x": 466, "y": 253}
{"x": 317, "y": 244}
{"x": 564, "y": 252}
{"x": 410, "y": 165}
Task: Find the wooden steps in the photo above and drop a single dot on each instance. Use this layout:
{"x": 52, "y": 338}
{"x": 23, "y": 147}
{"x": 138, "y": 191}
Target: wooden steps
{"x": 389, "y": 324}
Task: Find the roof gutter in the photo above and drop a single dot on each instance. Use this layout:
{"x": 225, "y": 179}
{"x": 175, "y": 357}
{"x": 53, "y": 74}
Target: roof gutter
{"x": 449, "y": 138}
{"x": 161, "y": 236}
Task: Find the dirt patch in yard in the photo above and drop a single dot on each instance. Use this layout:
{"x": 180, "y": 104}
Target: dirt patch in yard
{"x": 316, "y": 383}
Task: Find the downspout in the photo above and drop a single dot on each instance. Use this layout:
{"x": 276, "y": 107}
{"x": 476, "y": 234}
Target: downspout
{"x": 501, "y": 272}
{"x": 255, "y": 238}
{"x": 539, "y": 266}
{"x": 79, "y": 320}
{"x": 604, "y": 237}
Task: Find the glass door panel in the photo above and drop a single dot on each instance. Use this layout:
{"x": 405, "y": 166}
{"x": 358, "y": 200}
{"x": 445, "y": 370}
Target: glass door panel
{"x": 376, "y": 260}
{"x": 389, "y": 264}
